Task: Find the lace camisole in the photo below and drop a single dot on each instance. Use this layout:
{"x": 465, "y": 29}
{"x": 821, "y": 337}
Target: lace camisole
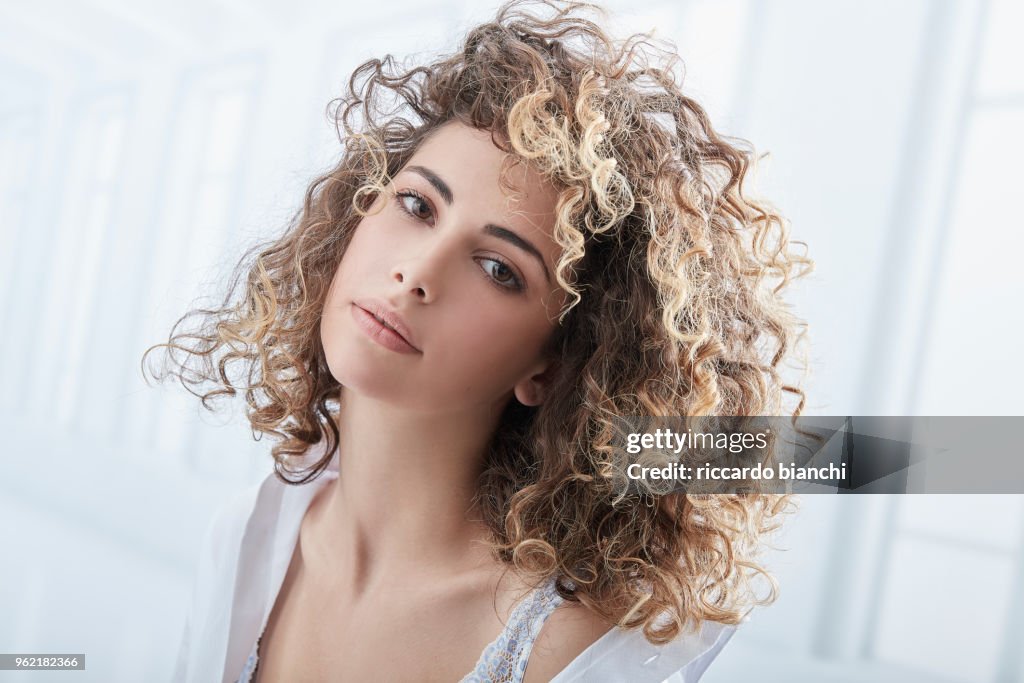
{"x": 505, "y": 659}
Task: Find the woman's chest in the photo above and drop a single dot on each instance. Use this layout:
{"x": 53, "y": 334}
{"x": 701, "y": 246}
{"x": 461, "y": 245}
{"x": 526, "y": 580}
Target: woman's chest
{"x": 409, "y": 636}
{"x": 371, "y": 653}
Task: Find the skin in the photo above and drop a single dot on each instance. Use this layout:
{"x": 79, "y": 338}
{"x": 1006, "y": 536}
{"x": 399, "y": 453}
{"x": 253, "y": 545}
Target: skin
{"x": 414, "y": 428}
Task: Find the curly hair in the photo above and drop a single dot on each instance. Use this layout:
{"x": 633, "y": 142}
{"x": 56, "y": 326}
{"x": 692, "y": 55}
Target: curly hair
{"x": 673, "y": 278}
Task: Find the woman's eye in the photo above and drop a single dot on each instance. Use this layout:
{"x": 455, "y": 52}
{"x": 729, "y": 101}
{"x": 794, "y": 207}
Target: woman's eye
{"x": 502, "y": 274}
{"x": 414, "y": 205}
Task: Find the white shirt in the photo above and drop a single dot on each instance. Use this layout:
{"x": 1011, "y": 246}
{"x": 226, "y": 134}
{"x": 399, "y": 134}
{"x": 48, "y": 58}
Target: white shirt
{"x": 246, "y": 553}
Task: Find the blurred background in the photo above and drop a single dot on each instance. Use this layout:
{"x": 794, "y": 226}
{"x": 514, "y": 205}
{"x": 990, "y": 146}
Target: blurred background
{"x": 144, "y": 145}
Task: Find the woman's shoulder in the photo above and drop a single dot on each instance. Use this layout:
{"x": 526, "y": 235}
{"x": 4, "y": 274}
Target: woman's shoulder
{"x": 574, "y": 644}
{"x": 256, "y": 510}
{"x": 221, "y": 547}
{"x": 204, "y": 638}
{"x": 244, "y": 550}
{"x": 579, "y": 646}
{"x": 567, "y": 633}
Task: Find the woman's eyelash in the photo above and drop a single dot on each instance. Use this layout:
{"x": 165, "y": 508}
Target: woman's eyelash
{"x": 517, "y": 282}
{"x": 400, "y": 196}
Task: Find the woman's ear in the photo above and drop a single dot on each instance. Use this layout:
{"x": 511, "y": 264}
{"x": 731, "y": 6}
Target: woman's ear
{"x": 532, "y": 390}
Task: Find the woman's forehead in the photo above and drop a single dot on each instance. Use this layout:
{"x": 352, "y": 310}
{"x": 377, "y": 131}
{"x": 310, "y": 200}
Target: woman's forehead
{"x": 475, "y": 170}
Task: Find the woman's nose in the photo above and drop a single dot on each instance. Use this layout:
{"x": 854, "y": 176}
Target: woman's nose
{"x": 421, "y": 274}
{"x": 417, "y": 289}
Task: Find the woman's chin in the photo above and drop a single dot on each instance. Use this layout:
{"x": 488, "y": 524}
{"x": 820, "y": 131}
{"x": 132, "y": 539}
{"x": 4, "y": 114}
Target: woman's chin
{"x": 367, "y": 382}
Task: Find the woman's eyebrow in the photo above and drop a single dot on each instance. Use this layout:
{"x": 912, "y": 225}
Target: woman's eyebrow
{"x": 435, "y": 180}
{"x": 491, "y": 229}
{"x": 521, "y": 242}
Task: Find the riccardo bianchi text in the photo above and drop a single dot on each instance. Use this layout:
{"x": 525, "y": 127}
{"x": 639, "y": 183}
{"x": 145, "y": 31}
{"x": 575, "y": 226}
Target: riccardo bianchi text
{"x": 709, "y": 472}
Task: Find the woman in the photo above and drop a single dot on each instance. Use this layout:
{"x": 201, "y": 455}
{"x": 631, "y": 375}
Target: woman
{"x": 520, "y": 243}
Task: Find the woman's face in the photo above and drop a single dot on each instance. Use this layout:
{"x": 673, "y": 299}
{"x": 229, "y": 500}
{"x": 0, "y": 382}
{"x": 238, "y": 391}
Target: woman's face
{"x": 468, "y": 270}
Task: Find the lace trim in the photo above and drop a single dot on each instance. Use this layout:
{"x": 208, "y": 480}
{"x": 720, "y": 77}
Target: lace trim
{"x": 505, "y": 659}
{"x": 251, "y": 664}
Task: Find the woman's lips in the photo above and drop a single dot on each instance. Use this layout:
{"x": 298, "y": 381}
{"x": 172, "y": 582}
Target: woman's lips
{"x": 381, "y": 333}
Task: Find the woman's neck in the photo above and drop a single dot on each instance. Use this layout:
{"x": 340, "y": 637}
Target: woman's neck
{"x": 402, "y": 501}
